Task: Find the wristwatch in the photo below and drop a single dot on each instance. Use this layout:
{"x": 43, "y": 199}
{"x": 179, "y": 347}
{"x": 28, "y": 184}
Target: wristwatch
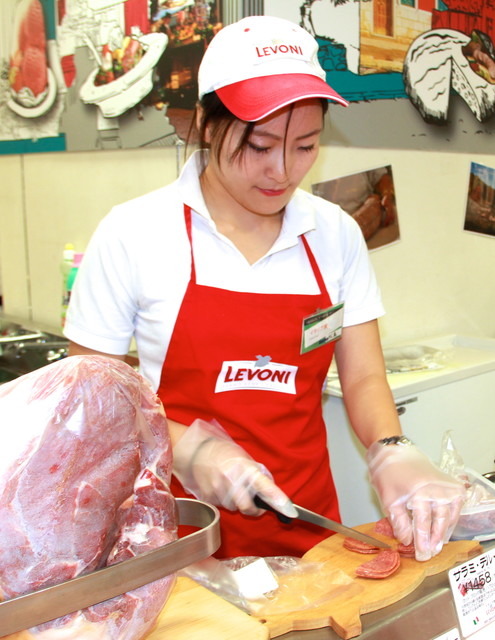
{"x": 399, "y": 440}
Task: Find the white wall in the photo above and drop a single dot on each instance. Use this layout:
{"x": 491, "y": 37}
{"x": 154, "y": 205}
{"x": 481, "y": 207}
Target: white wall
{"x": 13, "y": 255}
{"x": 435, "y": 280}
{"x": 51, "y": 199}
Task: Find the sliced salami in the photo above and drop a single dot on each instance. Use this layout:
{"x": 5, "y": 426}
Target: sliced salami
{"x": 382, "y": 566}
{"x": 407, "y": 550}
{"x": 359, "y": 547}
{"x": 384, "y": 527}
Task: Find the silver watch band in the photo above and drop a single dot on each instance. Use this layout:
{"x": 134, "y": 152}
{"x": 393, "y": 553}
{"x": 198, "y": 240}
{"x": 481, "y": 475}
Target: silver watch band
{"x": 400, "y": 440}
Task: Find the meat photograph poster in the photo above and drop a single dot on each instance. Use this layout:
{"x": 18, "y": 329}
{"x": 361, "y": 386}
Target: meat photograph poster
{"x": 79, "y": 75}
{"x": 369, "y": 197}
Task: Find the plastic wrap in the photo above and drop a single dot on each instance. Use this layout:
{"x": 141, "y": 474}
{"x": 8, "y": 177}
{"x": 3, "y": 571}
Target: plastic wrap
{"x": 85, "y": 467}
{"x": 298, "y": 584}
{"x": 414, "y": 358}
{"x": 477, "y": 519}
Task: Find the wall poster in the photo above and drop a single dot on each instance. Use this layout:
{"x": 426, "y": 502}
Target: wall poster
{"x": 480, "y": 206}
{"x": 100, "y": 74}
{"x": 419, "y": 74}
{"x": 97, "y": 74}
{"x": 369, "y": 197}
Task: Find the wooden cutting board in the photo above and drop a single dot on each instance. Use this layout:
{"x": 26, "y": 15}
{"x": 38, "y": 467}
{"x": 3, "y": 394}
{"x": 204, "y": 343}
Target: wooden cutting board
{"x": 343, "y": 612}
{"x": 194, "y": 613}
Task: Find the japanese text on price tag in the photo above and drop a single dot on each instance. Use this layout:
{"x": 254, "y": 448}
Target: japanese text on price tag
{"x": 473, "y": 589}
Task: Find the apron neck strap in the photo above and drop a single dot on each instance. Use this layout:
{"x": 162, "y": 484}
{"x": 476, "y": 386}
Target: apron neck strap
{"x": 314, "y": 266}
{"x": 188, "y": 220}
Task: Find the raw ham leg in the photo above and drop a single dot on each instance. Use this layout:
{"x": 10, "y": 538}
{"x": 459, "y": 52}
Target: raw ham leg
{"x": 85, "y": 467}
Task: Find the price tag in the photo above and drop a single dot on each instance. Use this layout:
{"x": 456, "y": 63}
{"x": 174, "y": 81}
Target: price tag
{"x": 255, "y": 579}
{"x": 487, "y": 633}
{"x": 473, "y": 589}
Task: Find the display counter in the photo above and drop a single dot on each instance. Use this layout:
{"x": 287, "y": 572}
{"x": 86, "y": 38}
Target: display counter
{"x": 428, "y": 612}
{"x": 425, "y": 614}
{"x": 446, "y": 359}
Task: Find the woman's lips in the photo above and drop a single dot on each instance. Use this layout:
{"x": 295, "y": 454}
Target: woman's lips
{"x": 272, "y": 192}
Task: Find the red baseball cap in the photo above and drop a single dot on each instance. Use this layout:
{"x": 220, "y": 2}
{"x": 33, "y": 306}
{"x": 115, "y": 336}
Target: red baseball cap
{"x": 261, "y": 64}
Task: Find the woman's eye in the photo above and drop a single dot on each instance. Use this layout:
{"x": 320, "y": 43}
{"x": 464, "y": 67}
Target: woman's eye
{"x": 258, "y": 149}
{"x": 308, "y": 148}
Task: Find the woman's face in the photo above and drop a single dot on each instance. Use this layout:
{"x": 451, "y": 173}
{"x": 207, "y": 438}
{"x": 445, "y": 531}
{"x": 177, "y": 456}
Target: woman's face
{"x": 263, "y": 176}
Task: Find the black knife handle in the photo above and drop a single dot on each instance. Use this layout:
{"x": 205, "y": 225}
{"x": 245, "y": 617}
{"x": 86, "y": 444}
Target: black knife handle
{"x": 259, "y": 502}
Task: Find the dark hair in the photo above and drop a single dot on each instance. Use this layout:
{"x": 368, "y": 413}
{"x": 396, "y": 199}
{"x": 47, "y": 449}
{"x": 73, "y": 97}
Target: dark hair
{"x": 219, "y": 120}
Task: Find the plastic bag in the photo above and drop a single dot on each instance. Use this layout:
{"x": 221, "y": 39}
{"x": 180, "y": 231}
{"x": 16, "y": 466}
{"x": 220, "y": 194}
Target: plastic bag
{"x": 413, "y": 358}
{"x": 298, "y": 584}
{"x": 85, "y": 466}
{"x": 477, "y": 519}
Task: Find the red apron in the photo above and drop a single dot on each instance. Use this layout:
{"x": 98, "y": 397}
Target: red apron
{"x": 217, "y": 329}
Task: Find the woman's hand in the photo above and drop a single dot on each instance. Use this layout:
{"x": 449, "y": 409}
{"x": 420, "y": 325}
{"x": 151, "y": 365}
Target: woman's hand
{"x": 211, "y": 466}
{"x": 421, "y": 502}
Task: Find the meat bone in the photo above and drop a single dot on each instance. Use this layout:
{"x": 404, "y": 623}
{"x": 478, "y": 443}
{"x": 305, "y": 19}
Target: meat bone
{"x": 32, "y": 609}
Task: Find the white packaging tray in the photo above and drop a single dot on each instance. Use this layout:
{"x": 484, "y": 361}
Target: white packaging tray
{"x": 461, "y": 357}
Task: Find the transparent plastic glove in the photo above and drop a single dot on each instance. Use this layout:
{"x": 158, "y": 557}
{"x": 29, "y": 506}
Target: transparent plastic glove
{"x": 421, "y": 502}
{"x": 211, "y": 466}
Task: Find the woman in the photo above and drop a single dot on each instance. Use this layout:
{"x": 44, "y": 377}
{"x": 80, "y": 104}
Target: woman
{"x": 236, "y": 285}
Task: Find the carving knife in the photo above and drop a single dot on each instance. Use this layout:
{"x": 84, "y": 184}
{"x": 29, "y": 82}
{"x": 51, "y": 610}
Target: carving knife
{"x": 321, "y": 521}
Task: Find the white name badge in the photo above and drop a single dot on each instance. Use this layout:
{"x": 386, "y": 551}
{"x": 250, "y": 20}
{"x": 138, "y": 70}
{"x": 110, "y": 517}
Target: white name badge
{"x": 322, "y": 327}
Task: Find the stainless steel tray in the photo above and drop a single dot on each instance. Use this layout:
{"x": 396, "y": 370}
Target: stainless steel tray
{"x": 53, "y": 602}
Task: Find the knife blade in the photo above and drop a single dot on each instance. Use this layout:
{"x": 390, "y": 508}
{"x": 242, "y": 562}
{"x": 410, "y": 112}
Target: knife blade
{"x": 32, "y": 609}
{"x": 321, "y": 521}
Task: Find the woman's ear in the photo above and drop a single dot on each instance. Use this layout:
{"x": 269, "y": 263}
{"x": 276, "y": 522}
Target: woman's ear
{"x": 200, "y": 114}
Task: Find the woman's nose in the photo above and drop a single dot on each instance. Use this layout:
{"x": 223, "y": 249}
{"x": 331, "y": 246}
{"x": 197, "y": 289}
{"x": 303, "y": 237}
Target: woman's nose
{"x": 277, "y": 167}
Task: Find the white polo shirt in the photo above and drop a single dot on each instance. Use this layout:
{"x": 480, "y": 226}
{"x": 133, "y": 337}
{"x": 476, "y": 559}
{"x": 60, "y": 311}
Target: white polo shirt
{"x": 138, "y": 263}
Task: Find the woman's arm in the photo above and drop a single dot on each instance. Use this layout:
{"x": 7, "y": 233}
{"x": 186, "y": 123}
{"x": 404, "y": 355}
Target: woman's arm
{"x": 78, "y": 350}
{"x": 421, "y": 502}
{"x": 367, "y": 396}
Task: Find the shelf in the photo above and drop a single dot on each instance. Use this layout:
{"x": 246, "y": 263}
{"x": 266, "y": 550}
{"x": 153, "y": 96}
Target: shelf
{"x": 462, "y": 356}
